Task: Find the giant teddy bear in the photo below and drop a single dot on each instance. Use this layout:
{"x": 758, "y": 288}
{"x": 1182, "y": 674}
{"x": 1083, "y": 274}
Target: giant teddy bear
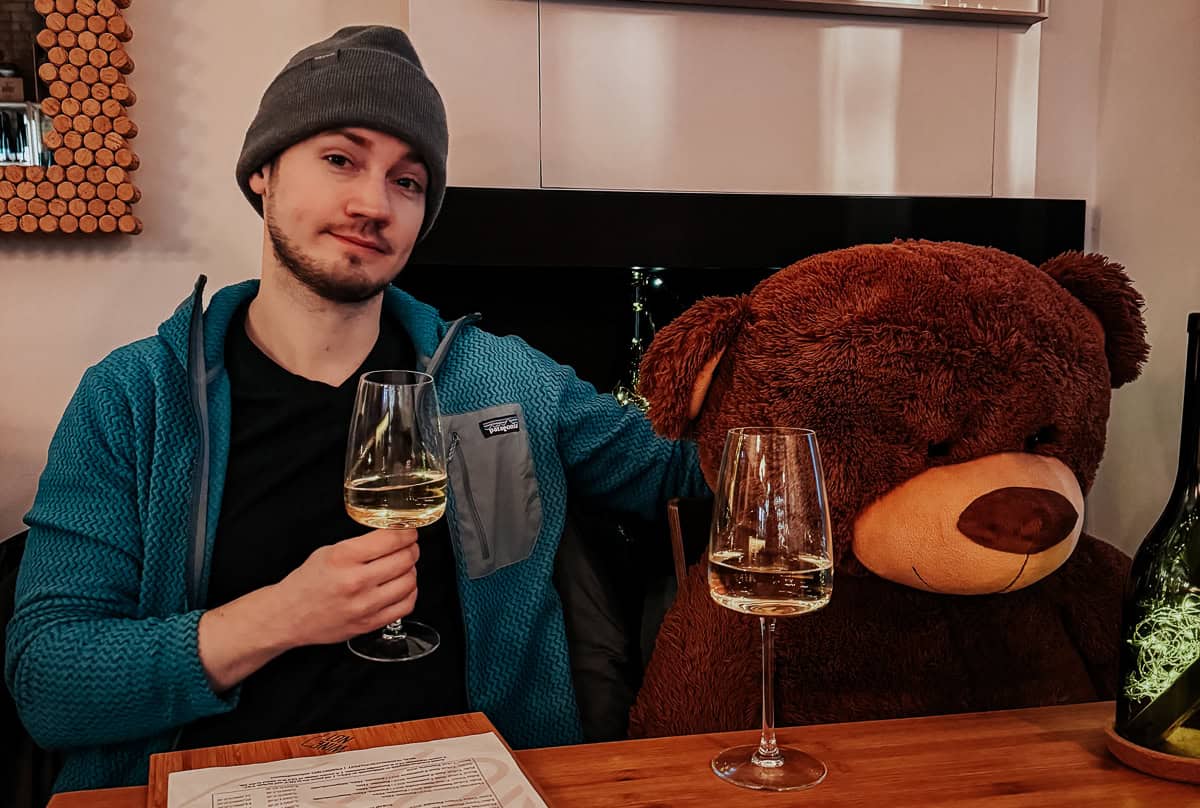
{"x": 960, "y": 398}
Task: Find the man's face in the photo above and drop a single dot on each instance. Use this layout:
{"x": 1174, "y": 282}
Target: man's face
{"x": 343, "y": 210}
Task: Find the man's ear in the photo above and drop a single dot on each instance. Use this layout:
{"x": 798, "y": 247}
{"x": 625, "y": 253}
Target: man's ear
{"x": 258, "y": 181}
{"x": 1103, "y": 287}
{"x": 679, "y": 364}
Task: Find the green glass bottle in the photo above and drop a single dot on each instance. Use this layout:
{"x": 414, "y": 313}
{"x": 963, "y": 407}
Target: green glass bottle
{"x": 1159, "y": 687}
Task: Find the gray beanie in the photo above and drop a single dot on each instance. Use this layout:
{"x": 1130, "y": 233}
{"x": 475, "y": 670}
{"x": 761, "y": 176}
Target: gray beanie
{"x": 364, "y": 75}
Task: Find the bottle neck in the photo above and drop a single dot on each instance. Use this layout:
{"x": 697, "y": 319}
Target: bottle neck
{"x": 1187, "y": 480}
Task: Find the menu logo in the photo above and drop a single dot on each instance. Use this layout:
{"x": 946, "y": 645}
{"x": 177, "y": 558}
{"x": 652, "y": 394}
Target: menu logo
{"x": 500, "y": 426}
{"x": 328, "y": 743}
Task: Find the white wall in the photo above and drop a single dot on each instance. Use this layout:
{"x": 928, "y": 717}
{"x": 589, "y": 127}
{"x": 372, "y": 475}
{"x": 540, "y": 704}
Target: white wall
{"x": 1099, "y": 103}
{"x": 1147, "y": 214}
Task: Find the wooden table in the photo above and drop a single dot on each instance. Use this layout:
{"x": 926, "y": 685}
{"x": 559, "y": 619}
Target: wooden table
{"x": 1050, "y": 756}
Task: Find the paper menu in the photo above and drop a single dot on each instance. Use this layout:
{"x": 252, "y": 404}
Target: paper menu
{"x": 472, "y": 771}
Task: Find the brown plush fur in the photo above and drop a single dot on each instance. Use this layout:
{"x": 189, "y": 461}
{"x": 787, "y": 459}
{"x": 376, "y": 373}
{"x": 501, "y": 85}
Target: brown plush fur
{"x": 902, "y": 357}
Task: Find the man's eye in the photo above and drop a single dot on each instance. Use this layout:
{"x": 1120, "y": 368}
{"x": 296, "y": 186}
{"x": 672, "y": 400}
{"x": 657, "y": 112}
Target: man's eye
{"x": 408, "y": 183}
{"x": 339, "y": 160}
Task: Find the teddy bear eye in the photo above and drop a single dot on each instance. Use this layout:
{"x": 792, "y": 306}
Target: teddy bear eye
{"x": 939, "y": 449}
{"x": 1047, "y": 434}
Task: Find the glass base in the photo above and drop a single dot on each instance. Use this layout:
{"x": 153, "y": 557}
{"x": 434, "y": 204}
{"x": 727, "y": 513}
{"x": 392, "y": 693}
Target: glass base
{"x": 791, "y": 771}
{"x": 416, "y": 641}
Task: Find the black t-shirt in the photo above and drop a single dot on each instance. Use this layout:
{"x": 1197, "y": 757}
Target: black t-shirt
{"x": 282, "y": 500}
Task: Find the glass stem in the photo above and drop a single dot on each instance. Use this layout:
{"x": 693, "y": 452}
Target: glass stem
{"x": 768, "y": 754}
{"x": 394, "y": 631}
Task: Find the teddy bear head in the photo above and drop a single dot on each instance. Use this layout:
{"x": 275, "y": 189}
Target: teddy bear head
{"x": 959, "y": 395}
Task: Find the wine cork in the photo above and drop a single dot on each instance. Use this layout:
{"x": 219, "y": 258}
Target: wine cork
{"x": 57, "y": 55}
{"x": 106, "y": 41}
{"x": 7, "y": 190}
{"x": 87, "y": 223}
{"x": 117, "y": 207}
{"x": 98, "y": 58}
{"x": 43, "y": 7}
{"x": 88, "y": 40}
{"x": 80, "y": 90}
{"x": 118, "y": 27}
{"x": 84, "y": 157}
{"x": 120, "y": 60}
{"x": 101, "y": 92}
{"x": 59, "y": 89}
{"x": 17, "y": 206}
{"x": 95, "y": 175}
{"x": 48, "y": 223}
{"x": 48, "y": 72}
{"x": 14, "y": 173}
{"x": 51, "y": 106}
{"x": 26, "y": 190}
{"x": 64, "y": 6}
{"x": 130, "y": 224}
{"x": 64, "y": 156}
{"x": 68, "y": 223}
{"x": 125, "y": 127}
{"x": 97, "y": 207}
{"x": 38, "y": 207}
{"x": 52, "y": 140}
{"x": 102, "y": 124}
{"x": 97, "y": 25}
{"x": 77, "y": 23}
{"x": 115, "y": 174}
{"x": 68, "y": 73}
{"x": 111, "y": 108}
{"x": 56, "y": 22}
{"x": 77, "y": 207}
{"x": 66, "y": 190}
{"x": 35, "y": 173}
{"x": 85, "y": 191}
{"x": 67, "y": 38}
{"x": 90, "y": 107}
{"x": 106, "y": 8}
{"x": 94, "y": 141}
{"x": 127, "y": 192}
{"x": 58, "y": 207}
{"x": 114, "y": 141}
{"x": 85, "y": 7}
{"x": 81, "y": 123}
{"x": 29, "y": 223}
{"x": 108, "y": 223}
{"x": 89, "y": 75}
{"x": 61, "y": 123}
{"x": 75, "y": 174}
{"x": 8, "y": 223}
{"x": 46, "y": 189}
{"x": 71, "y": 107}
{"x": 122, "y": 3}
{"x": 55, "y": 173}
{"x": 125, "y": 158}
{"x": 73, "y": 140}
{"x": 46, "y": 38}
{"x": 77, "y": 57}
{"x": 105, "y": 157}
{"x": 106, "y": 191}
{"x": 110, "y": 75}
{"x": 122, "y": 93}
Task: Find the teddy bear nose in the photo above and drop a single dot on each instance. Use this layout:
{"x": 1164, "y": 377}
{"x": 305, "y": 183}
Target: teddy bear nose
{"x": 1018, "y": 520}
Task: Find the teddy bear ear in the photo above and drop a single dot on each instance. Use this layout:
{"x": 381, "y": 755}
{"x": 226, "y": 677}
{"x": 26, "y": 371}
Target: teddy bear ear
{"x": 1103, "y": 287}
{"x": 679, "y": 364}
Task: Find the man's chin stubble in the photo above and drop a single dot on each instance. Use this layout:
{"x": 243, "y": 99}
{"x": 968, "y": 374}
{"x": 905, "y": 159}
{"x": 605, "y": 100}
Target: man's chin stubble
{"x": 322, "y": 280}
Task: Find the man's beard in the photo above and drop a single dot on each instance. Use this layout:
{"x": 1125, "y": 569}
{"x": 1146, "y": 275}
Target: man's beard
{"x": 323, "y": 279}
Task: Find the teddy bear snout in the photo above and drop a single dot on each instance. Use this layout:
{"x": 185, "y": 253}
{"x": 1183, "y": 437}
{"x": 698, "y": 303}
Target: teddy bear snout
{"x": 1018, "y": 520}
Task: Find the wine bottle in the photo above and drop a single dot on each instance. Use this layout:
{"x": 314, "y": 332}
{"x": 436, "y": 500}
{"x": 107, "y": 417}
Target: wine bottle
{"x": 1159, "y": 685}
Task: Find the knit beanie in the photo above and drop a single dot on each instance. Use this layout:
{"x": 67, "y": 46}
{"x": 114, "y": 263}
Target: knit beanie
{"x": 363, "y": 75}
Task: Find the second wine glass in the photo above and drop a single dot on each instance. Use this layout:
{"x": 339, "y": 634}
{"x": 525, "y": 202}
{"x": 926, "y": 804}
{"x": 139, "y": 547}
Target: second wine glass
{"x": 396, "y": 478}
{"x": 769, "y": 556}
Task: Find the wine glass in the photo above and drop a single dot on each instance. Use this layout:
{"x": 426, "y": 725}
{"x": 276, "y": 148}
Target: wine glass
{"x": 395, "y": 478}
{"x": 769, "y": 556}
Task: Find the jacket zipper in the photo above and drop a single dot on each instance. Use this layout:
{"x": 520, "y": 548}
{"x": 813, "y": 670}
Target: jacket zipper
{"x": 456, "y": 445}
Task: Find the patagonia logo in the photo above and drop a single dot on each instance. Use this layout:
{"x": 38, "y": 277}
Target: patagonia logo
{"x": 500, "y": 426}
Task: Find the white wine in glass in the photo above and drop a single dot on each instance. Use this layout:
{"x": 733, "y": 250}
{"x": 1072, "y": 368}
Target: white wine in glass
{"x": 769, "y": 555}
{"x": 396, "y": 478}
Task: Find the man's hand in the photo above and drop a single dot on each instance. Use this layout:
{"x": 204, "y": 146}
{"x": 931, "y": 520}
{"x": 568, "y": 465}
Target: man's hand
{"x": 340, "y": 591}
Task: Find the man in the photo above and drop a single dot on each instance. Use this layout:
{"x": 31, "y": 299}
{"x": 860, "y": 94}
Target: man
{"x": 191, "y": 573}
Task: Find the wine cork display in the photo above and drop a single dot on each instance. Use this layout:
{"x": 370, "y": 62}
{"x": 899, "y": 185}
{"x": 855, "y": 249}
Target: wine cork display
{"x": 89, "y": 185}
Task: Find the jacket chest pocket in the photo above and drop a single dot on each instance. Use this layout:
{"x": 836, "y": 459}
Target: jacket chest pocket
{"x": 497, "y": 508}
